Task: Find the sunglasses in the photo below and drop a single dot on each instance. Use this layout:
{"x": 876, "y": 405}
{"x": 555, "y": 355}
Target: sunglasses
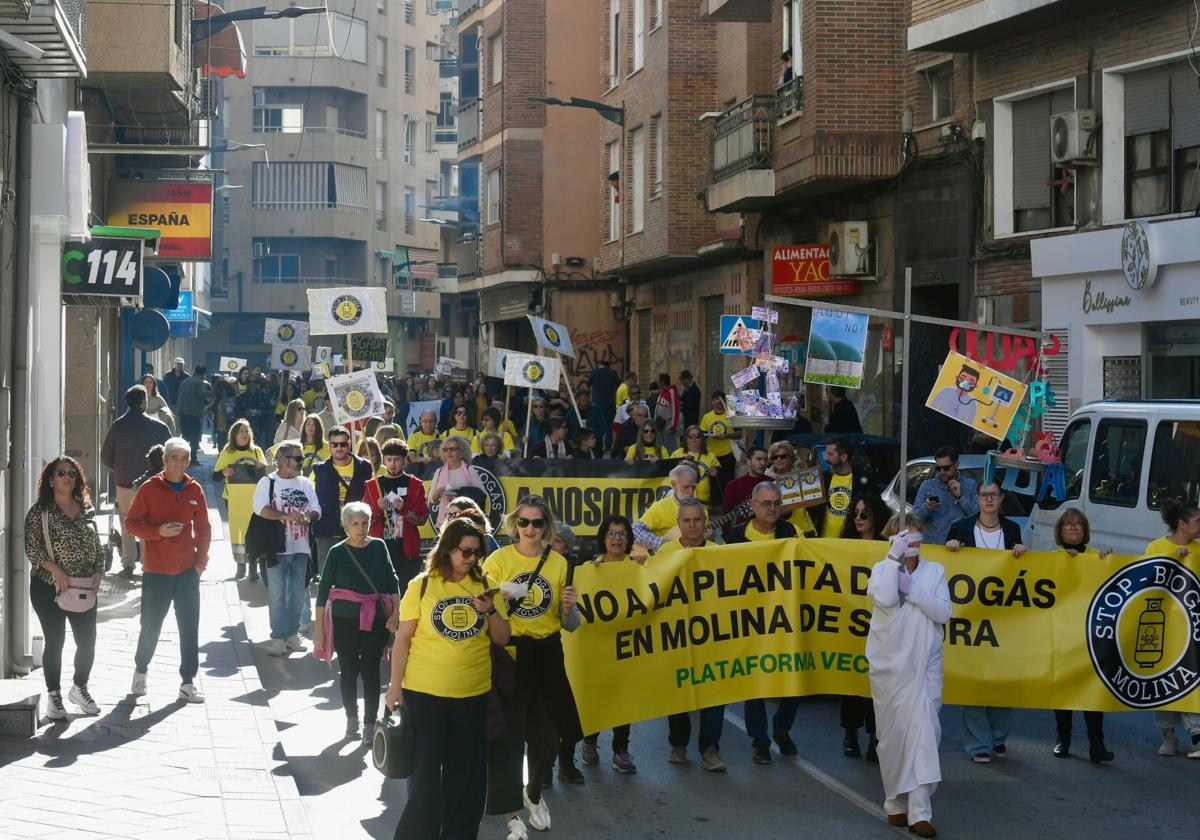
{"x": 336, "y": 445}
{"x": 862, "y": 515}
{"x": 946, "y": 468}
{"x": 460, "y": 414}
{"x": 296, "y": 458}
{"x": 647, "y": 431}
{"x": 468, "y": 553}
{"x": 779, "y": 455}
{"x": 60, "y": 472}
{"x": 522, "y": 522}
{"x": 694, "y": 436}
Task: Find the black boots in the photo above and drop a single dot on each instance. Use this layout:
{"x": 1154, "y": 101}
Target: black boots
{"x": 873, "y": 749}
{"x": 850, "y": 747}
{"x": 1062, "y": 746}
{"x": 253, "y": 576}
{"x": 1097, "y": 752}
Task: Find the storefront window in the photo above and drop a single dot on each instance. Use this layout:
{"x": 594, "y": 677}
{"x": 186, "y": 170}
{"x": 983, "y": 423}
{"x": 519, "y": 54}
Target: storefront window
{"x": 1174, "y": 353}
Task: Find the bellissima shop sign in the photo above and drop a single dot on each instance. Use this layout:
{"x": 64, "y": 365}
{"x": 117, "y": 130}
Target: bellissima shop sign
{"x": 804, "y": 271}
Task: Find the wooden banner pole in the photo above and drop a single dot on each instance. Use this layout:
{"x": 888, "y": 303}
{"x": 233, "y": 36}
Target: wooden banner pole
{"x": 507, "y": 397}
{"x": 528, "y": 417}
{"x": 350, "y": 369}
{"x": 571, "y": 393}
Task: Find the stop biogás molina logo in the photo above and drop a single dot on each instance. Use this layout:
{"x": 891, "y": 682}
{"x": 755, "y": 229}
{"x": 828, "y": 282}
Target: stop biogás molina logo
{"x": 289, "y": 357}
{"x": 347, "y": 310}
{"x": 537, "y": 601}
{"x": 1144, "y": 632}
{"x": 457, "y": 619}
{"x": 534, "y": 372}
{"x": 286, "y": 332}
{"x": 551, "y": 335}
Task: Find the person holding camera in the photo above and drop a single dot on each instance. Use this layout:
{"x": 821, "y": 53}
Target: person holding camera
{"x": 442, "y": 674}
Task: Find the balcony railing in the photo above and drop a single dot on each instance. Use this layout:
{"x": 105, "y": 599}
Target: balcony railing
{"x": 448, "y": 68}
{"x": 447, "y": 271}
{"x": 469, "y": 123}
{"x": 58, "y": 28}
{"x": 468, "y": 260}
{"x": 445, "y": 135}
{"x": 742, "y": 137}
{"x": 272, "y": 204}
{"x": 789, "y": 98}
{"x": 308, "y": 129}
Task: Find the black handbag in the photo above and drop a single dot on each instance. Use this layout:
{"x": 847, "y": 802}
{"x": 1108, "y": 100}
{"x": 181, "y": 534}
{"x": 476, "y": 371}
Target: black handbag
{"x": 265, "y": 537}
{"x": 394, "y": 747}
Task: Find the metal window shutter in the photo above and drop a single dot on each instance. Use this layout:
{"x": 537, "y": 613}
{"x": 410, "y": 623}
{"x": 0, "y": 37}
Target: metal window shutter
{"x": 1059, "y": 379}
{"x": 1062, "y": 100}
{"x": 1031, "y": 152}
{"x": 1185, "y": 106}
{"x": 1148, "y": 101}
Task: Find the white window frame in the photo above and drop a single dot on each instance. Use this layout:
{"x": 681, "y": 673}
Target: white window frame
{"x": 639, "y": 36}
{"x": 381, "y": 134}
{"x": 637, "y": 180}
{"x": 1003, "y": 222}
{"x": 656, "y": 20}
{"x": 660, "y": 154}
{"x": 410, "y": 140}
{"x": 793, "y": 34}
{"x": 927, "y": 72}
{"x": 614, "y": 43}
{"x": 285, "y": 126}
{"x": 496, "y": 58}
{"x": 494, "y": 188}
{"x": 614, "y": 206}
{"x": 381, "y": 61}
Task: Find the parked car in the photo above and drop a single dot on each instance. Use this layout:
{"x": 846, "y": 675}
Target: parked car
{"x": 1016, "y": 505}
{"x": 1122, "y": 461}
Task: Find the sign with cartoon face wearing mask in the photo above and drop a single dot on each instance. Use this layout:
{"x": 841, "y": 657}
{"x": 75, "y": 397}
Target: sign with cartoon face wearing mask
{"x": 976, "y": 396}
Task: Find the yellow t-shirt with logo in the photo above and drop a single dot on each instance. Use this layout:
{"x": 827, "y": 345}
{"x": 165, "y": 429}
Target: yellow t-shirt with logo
{"x": 660, "y": 453}
{"x": 537, "y": 616}
{"x": 450, "y": 652}
{"x": 346, "y": 474}
{"x": 417, "y": 441}
{"x": 468, "y": 434}
{"x": 840, "y": 491}
{"x": 506, "y": 443}
{"x": 717, "y": 424}
{"x": 706, "y": 460}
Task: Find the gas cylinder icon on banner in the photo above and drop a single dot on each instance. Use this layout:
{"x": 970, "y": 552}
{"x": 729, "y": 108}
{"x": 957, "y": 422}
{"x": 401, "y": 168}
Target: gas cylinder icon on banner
{"x": 1151, "y": 624}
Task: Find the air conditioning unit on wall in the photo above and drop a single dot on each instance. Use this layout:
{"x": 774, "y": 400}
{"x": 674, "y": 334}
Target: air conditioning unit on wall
{"x": 1070, "y": 133}
{"x": 849, "y": 249}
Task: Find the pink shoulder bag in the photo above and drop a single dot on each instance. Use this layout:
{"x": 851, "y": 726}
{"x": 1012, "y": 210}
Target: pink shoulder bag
{"x": 80, "y": 594}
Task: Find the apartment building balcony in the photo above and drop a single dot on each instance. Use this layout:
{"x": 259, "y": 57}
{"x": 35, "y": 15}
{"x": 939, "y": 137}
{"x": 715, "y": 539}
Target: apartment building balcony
{"x": 414, "y": 303}
{"x": 246, "y": 296}
{"x": 470, "y": 124}
{"x": 743, "y": 177}
{"x": 966, "y": 25}
{"x": 57, "y": 26}
{"x": 142, "y": 57}
{"x": 280, "y": 219}
{"x": 737, "y": 11}
{"x": 470, "y": 260}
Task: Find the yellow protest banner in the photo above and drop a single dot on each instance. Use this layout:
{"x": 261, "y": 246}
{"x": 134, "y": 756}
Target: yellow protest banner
{"x": 715, "y": 625}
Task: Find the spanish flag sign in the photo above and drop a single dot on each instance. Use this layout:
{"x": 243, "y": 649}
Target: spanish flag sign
{"x": 180, "y": 211}
{"x": 702, "y": 627}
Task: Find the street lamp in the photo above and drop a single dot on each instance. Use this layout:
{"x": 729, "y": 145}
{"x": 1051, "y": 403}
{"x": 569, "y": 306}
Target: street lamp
{"x": 612, "y": 113}
{"x": 209, "y": 26}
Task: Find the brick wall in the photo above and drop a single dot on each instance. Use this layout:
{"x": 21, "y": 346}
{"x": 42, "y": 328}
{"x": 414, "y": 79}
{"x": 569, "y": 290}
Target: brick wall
{"x": 923, "y": 10}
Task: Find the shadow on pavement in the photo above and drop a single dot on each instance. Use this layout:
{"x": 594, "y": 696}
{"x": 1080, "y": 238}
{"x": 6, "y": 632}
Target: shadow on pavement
{"x": 110, "y": 731}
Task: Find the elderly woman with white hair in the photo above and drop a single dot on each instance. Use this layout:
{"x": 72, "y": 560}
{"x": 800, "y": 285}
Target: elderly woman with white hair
{"x": 452, "y": 476}
{"x": 358, "y": 604}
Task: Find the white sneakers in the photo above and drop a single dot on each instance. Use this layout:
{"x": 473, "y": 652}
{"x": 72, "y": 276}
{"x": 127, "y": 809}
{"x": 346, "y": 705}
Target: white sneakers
{"x": 295, "y": 644}
{"x": 539, "y": 814}
{"x": 276, "y": 647}
{"x": 516, "y": 830}
{"x": 139, "y": 685}
{"x": 55, "y": 710}
{"x": 188, "y": 693}
{"x": 80, "y": 697}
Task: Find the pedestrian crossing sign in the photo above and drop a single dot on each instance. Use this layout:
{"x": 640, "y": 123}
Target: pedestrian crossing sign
{"x": 735, "y": 340}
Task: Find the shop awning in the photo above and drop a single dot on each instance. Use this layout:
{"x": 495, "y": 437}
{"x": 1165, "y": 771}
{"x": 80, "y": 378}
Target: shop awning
{"x": 222, "y": 53}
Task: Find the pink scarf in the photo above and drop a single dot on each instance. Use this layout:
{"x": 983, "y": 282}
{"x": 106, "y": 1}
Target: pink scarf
{"x": 366, "y": 617}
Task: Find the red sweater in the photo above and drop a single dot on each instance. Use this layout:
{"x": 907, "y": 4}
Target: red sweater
{"x": 156, "y": 503}
{"x": 415, "y": 508}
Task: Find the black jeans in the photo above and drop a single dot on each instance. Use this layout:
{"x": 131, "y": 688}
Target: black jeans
{"x": 448, "y": 786}
{"x": 191, "y": 429}
{"x": 1094, "y": 721}
{"x": 620, "y": 738}
{"x": 54, "y": 620}
{"x": 406, "y": 568}
{"x": 857, "y": 711}
{"x": 358, "y": 654}
{"x": 541, "y": 712}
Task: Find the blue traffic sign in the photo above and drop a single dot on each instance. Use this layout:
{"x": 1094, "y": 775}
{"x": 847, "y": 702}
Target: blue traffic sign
{"x": 734, "y": 341}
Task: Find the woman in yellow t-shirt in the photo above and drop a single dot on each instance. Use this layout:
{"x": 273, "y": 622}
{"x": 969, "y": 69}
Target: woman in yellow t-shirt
{"x": 312, "y": 443}
{"x": 491, "y": 422}
{"x": 648, "y": 447}
{"x": 543, "y": 701}
{"x": 781, "y": 458}
{"x": 441, "y": 674}
{"x": 695, "y": 451}
{"x": 461, "y": 428}
{"x": 1183, "y": 518}
{"x": 240, "y": 465}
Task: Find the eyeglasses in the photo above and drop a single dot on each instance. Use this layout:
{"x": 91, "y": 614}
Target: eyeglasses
{"x": 617, "y": 535}
{"x": 1078, "y": 525}
{"x": 771, "y": 503}
{"x": 946, "y": 468}
{"x": 468, "y": 553}
{"x": 339, "y": 445}
{"x": 60, "y": 472}
{"x": 990, "y": 494}
{"x": 862, "y": 515}
{"x": 522, "y": 522}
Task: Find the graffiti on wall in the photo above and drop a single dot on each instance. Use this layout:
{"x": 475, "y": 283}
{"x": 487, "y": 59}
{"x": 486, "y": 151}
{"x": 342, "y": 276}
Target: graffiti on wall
{"x": 592, "y": 348}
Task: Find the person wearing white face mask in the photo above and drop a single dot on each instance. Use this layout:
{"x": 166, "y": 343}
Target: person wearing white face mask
{"x": 910, "y": 602}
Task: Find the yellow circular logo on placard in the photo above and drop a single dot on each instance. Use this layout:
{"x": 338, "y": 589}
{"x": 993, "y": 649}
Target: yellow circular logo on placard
{"x": 535, "y": 372}
{"x": 347, "y": 310}
{"x": 356, "y": 401}
{"x": 233, "y": 365}
{"x": 289, "y": 357}
{"x": 551, "y": 334}
{"x": 286, "y": 332}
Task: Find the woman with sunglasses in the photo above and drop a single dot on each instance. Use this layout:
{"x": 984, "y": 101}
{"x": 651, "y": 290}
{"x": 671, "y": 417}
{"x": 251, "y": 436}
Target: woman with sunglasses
{"x": 61, "y": 543}
{"x": 868, "y": 517}
{"x": 291, "y": 427}
{"x": 542, "y": 710}
{"x": 240, "y": 465}
{"x": 985, "y": 728}
{"x": 443, "y": 680}
{"x": 452, "y": 476}
{"x": 781, "y": 460}
{"x": 491, "y": 425}
{"x": 695, "y": 451}
{"x": 615, "y": 535}
{"x": 461, "y": 428}
{"x": 648, "y": 447}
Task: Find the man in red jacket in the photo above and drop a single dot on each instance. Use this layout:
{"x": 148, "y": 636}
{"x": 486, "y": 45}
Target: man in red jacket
{"x": 170, "y": 515}
{"x": 398, "y": 507}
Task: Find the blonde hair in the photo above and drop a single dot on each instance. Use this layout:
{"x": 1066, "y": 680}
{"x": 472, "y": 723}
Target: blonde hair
{"x": 892, "y": 528}
{"x": 510, "y": 521}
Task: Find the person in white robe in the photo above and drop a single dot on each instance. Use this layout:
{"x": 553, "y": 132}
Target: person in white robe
{"x": 911, "y": 602}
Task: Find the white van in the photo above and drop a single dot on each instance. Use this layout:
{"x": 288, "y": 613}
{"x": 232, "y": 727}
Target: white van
{"x": 1122, "y": 460}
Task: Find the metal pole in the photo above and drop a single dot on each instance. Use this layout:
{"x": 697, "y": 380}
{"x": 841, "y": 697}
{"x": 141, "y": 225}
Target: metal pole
{"x": 906, "y": 364}
{"x": 888, "y": 313}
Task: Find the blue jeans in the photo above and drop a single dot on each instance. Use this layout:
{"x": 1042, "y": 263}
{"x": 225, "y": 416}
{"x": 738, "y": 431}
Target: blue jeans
{"x": 984, "y": 728}
{"x": 712, "y": 720}
{"x": 755, "y": 713}
{"x": 159, "y": 591}
{"x": 286, "y": 593}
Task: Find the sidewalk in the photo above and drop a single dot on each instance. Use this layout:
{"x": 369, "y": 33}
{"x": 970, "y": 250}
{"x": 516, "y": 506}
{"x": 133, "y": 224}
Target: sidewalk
{"x": 158, "y": 767}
